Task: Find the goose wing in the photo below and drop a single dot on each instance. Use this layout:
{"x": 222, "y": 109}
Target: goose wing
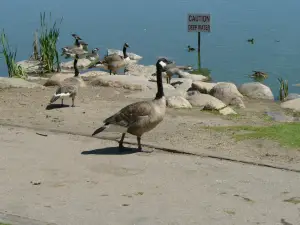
{"x": 112, "y": 57}
{"x": 130, "y": 114}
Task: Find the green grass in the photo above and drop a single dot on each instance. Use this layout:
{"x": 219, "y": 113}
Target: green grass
{"x": 4, "y": 223}
{"x": 9, "y": 54}
{"x": 287, "y": 134}
{"x": 48, "y": 40}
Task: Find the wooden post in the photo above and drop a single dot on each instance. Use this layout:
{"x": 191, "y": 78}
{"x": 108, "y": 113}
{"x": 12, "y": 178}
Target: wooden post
{"x": 199, "y": 56}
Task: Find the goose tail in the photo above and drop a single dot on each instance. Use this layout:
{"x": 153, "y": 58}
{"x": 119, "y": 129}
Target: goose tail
{"x": 57, "y": 96}
{"x": 106, "y": 125}
{"x": 54, "y": 98}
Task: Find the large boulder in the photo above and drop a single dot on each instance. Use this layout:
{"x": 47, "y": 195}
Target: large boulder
{"x": 183, "y": 86}
{"x": 58, "y": 78}
{"x": 82, "y": 63}
{"x": 203, "y": 87}
{"x": 6, "y": 82}
{"x": 228, "y": 93}
{"x": 256, "y": 90}
{"x": 90, "y": 75}
{"x": 208, "y": 102}
{"x": 31, "y": 66}
{"x": 140, "y": 70}
{"x": 292, "y": 104}
{"x": 131, "y": 55}
{"x": 178, "y": 102}
{"x": 126, "y": 82}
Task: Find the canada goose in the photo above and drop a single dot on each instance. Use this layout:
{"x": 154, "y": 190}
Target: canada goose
{"x": 79, "y": 44}
{"x": 93, "y": 55}
{"x": 190, "y": 49}
{"x": 114, "y": 61}
{"x": 68, "y": 88}
{"x": 140, "y": 117}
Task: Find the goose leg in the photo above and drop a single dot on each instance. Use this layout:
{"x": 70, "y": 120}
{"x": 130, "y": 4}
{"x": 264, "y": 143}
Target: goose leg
{"x": 140, "y": 146}
{"x": 62, "y": 102}
{"x": 73, "y": 100}
{"x": 121, "y": 141}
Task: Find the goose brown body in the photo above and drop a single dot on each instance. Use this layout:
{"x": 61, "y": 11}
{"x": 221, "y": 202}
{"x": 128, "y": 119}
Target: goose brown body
{"x": 140, "y": 117}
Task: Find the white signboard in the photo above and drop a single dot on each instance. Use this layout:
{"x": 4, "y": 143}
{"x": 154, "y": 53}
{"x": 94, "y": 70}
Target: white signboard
{"x": 199, "y": 22}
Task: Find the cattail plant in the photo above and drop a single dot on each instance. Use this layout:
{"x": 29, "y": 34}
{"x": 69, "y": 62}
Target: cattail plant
{"x": 48, "y": 40}
{"x": 284, "y": 89}
{"x": 9, "y": 54}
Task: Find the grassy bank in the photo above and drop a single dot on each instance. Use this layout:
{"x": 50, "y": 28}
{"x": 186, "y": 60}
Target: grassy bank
{"x": 287, "y": 134}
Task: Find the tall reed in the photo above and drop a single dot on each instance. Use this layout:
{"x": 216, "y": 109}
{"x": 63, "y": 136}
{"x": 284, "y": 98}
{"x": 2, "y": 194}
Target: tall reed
{"x": 283, "y": 89}
{"x": 14, "y": 70}
{"x": 48, "y": 40}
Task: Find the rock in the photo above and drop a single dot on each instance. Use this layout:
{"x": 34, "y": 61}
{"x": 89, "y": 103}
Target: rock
{"x": 192, "y": 92}
{"x": 203, "y": 87}
{"x": 140, "y": 70}
{"x": 123, "y": 81}
{"x": 6, "y": 82}
{"x": 183, "y": 86}
{"x": 228, "y": 93}
{"x": 58, "y": 78}
{"x": 90, "y": 75}
{"x": 292, "y": 104}
{"x": 82, "y": 63}
{"x": 31, "y": 66}
{"x": 35, "y": 79}
{"x": 292, "y": 96}
{"x": 208, "y": 102}
{"x": 193, "y": 77}
{"x": 227, "y": 111}
{"x": 205, "y": 101}
{"x": 256, "y": 90}
{"x": 178, "y": 102}
{"x": 131, "y": 55}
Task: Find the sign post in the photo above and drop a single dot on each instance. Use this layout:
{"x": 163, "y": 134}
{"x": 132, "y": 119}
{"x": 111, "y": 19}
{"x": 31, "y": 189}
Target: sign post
{"x": 199, "y": 23}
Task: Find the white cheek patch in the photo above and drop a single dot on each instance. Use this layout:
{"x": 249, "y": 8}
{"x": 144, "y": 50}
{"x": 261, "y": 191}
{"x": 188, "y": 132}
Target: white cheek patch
{"x": 62, "y": 95}
{"x": 162, "y": 64}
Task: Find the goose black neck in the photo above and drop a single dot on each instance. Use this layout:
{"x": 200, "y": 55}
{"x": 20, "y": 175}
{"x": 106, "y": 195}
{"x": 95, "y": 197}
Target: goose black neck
{"x": 124, "y": 52}
{"x": 75, "y": 67}
{"x": 77, "y": 43}
{"x": 160, "y": 89}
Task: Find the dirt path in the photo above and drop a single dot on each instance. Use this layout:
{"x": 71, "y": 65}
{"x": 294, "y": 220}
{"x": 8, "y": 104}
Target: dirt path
{"x": 70, "y": 180}
{"x": 181, "y": 129}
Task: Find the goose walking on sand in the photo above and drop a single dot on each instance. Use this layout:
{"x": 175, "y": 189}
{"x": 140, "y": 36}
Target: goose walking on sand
{"x": 140, "y": 117}
{"x": 67, "y": 89}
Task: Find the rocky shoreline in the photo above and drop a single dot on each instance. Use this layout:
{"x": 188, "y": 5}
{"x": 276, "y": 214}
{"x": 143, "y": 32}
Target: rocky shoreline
{"x": 186, "y": 91}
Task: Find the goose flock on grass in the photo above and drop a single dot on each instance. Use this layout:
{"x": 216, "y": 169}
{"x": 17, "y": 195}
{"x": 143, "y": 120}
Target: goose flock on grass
{"x": 136, "y": 118}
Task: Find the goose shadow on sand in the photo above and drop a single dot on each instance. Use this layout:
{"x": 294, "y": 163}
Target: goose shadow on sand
{"x": 56, "y": 106}
{"x": 110, "y": 151}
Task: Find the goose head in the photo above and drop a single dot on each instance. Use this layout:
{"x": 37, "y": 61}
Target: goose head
{"x": 163, "y": 64}
{"x": 126, "y": 45}
{"x": 76, "y": 37}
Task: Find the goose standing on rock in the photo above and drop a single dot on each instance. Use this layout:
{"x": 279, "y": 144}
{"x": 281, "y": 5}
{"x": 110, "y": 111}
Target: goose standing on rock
{"x": 140, "y": 117}
{"x": 79, "y": 45}
{"x": 93, "y": 55}
{"x": 114, "y": 61}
